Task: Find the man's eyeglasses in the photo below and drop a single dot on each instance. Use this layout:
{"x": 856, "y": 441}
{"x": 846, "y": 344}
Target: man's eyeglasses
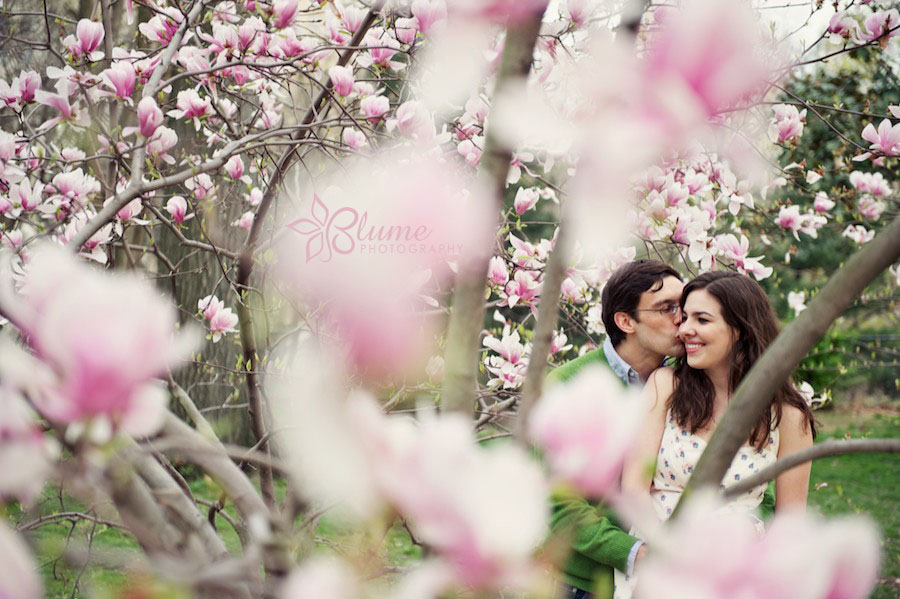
{"x": 669, "y": 310}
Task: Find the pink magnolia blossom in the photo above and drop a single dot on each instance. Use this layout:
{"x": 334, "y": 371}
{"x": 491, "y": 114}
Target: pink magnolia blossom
{"x": 469, "y": 150}
{"x": 150, "y": 117}
{"x": 509, "y": 347}
{"x": 789, "y": 218}
{"x": 427, "y": 13}
{"x": 821, "y": 203}
{"x": 88, "y": 37}
{"x": 585, "y": 428}
{"x": 406, "y": 30}
{"x": 886, "y": 140}
{"x": 559, "y": 343}
{"x": 163, "y": 140}
{"x": 22, "y": 89}
{"x": 382, "y": 48}
{"x": 284, "y": 12}
{"x": 235, "y": 167}
{"x": 342, "y": 79}
{"x": 59, "y": 101}
{"x": 497, "y": 273}
{"x": 526, "y": 199}
{"x": 858, "y": 234}
{"x": 26, "y": 195}
{"x": 524, "y": 288}
{"x": 120, "y": 78}
{"x": 245, "y": 221}
{"x": 191, "y": 105}
{"x": 18, "y": 572}
{"x": 374, "y": 107}
{"x": 575, "y": 292}
{"x": 221, "y": 319}
{"x": 105, "y": 338}
{"x": 162, "y": 26}
{"x": 870, "y": 208}
{"x": 873, "y": 183}
{"x": 716, "y": 553}
{"x": 351, "y": 17}
{"x": 843, "y": 25}
{"x": 787, "y": 124}
{"x": 201, "y": 185}
{"x": 880, "y": 23}
{"x": 413, "y": 119}
{"x": 354, "y": 138}
{"x": 737, "y": 251}
{"x": 177, "y": 208}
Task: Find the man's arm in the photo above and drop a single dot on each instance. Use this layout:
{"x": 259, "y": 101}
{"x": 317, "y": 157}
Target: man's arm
{"x": 591, "y": 530}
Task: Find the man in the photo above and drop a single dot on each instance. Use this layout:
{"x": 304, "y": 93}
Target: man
{"x": 641, "y": 313}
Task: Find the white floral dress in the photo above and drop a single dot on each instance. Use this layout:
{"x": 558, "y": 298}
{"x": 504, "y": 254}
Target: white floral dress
{"x": 679, "y": 452}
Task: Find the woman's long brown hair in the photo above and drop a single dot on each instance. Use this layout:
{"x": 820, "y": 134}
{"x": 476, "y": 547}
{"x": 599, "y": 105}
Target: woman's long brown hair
{"x": 746, "y": 309}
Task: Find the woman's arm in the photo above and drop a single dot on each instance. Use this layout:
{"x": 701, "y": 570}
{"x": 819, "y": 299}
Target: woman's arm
{"x": 792, "y": 486}
{"x": 641, "y": 463}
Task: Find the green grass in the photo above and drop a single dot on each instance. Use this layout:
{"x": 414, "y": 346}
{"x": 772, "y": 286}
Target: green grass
{"x": 864, "y": 484}
{"x": 859, "y": 483}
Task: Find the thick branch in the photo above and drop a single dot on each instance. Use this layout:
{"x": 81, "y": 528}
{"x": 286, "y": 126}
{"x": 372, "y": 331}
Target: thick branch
{"x": 467, "y": 311}
{"x": 820, "y": 450}
{"x": 776, "y": 364}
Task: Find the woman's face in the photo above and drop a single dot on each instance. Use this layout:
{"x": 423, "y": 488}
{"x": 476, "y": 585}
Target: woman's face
{"x": 706, "y": 336}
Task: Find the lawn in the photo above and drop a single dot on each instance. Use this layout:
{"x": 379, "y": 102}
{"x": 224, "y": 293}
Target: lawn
{"x": 859, "y": 483}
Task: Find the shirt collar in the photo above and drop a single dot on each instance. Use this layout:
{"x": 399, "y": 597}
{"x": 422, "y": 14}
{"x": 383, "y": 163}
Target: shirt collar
{"x": 620, "y": 367}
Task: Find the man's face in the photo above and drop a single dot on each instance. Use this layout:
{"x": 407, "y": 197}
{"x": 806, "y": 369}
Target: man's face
{"x": 657, "y": 332}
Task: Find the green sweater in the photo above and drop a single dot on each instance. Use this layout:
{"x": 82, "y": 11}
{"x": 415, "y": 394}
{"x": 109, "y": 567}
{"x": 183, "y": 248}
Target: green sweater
{"x": 598, "y": 543}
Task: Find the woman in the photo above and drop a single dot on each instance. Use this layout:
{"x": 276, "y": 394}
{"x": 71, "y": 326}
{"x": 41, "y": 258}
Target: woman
{"x": 727, "y": 323}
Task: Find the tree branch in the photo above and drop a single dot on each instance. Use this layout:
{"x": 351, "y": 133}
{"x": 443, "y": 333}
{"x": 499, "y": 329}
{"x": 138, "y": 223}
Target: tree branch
{"x": 467, "y": 311}
{"x": 820, "y": 450}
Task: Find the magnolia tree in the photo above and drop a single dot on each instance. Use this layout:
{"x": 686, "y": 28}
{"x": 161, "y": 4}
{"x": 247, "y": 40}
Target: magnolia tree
{"x": 408, "y": 210}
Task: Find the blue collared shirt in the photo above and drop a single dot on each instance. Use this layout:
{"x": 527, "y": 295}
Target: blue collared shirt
{"x": 620, "y": 367}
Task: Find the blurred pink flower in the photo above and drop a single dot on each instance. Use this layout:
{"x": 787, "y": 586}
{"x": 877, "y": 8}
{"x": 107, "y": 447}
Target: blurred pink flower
{"x": 821, "y": 203}
{"x": 880, "y": 23}
{"x": 105, "y": 338}
{"x": 245, "y": 221}
{"x": 150, "y": 117}
{"x": 858, "y": 234}
{"x": 163, "y": 140}
{"x": 25, "y": 453}
{"x": 710, "y": 49}
{"x": 787, "y": 124}
{"x": 717, "y": 553}
{"x": 406, "y": 30}
{"x": 483, "y": 511}
{"x": 524, "y": 288}
{"x": 789, "y": 218}
{"x": 870, "y": 208}
{"x": 284, "y": 12}
{"x": 342, "y": 79}
{"x": 354, "y": 138}
{"x": 886, "y": 140}
{"x": 221, "y": 319}
{"x": 427, "y": 13}
{"x": 18, "y": 572}
{"x": 585, "y": 427}
{"x": 374, "y": 107}
{"x": 873, "y": 183}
